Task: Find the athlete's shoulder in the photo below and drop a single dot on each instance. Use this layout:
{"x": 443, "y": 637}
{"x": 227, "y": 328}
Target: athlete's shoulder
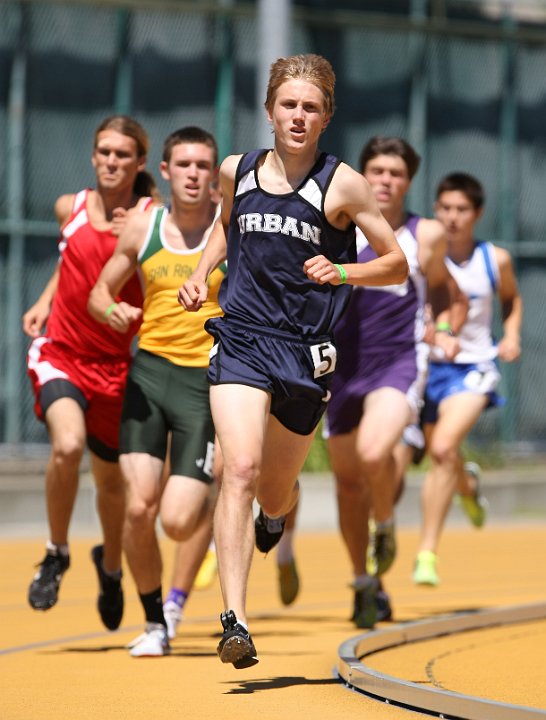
{"x": 501, "y": 255}
{"x": 229, "y": 166}
{"x": 349, "y": 188}
{"x": 348, "y": 181}
{"x": 63, "y": 207}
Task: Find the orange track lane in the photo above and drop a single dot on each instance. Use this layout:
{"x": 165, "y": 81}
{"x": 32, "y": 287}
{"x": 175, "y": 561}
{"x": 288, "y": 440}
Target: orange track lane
{"x": 62, "y": 665}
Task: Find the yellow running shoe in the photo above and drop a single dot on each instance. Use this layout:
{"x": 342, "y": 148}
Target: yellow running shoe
{"x": 425, "y": 572}
{"x": 371, "y": 559}
{"x": 289, "y": 582}
{"x": 474, "y": 506}
{"x": 207, "y": 571}
{"x": 381, "y": 551}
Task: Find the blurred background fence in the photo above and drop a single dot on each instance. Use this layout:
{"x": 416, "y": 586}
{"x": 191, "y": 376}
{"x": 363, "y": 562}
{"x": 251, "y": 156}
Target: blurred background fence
{"x": 462, "y": 80}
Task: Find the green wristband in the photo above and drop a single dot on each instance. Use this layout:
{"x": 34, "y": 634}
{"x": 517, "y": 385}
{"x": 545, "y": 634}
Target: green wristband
{"x": 110, "y": 309}
{"x": 444, "y": 327}
{"x": 342, "y": 273}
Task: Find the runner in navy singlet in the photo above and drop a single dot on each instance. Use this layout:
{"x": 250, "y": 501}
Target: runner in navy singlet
{"x": 288, "y": 231}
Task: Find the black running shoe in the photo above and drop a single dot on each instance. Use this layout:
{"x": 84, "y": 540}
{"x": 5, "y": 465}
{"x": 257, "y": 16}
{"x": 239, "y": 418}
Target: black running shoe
{"x": 110, "y": 600}
{"x": 43, "y": 592}
{"x": 236, "y": 645}
{"x": 364, "y": 606}
{"x": 268, "y": 531}
{"x": 383, "y": 605}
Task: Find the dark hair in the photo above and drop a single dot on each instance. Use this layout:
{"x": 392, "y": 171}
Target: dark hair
{"x": 145, "y": 184}
{"x": 465, "y": 183}
{"x": 382, "y": 145}
{"x": 313, "y": 68}
{"x": 189, "y": 134}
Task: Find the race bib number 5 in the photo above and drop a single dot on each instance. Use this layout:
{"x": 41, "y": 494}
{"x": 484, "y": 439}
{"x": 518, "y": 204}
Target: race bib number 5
{"x": 324, "y": 358}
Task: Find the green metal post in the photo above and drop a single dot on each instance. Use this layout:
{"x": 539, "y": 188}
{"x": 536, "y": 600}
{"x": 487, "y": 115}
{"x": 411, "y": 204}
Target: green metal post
{"x": 507, "y": 179}
{"x": 225, "y": 87}
{"x": 123, "y": 98}
{"x": 14, "y": 353}
{"x": 417, "y": 115}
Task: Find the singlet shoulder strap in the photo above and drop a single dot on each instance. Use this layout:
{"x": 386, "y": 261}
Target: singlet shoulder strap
{"x": 78, "y": 214}
{"x": 486, "y": 249}
{"x": 411, "y": 223}
{"x": 152, "y": 243}
{"x": 314, "y": 188}
{"x": 245, "y": 176}
{"x": 143, "y": 203}
{"x": 79, "y": 200}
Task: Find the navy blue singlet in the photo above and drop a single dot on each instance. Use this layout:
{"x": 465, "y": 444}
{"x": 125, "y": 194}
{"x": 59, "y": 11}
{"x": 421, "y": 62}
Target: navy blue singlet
{"x": 270, "y": 237}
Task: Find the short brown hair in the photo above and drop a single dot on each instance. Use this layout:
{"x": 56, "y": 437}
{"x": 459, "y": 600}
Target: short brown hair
{"x": 383, "y": 145}
{"x": 465, "y": 183}
{"x": 189, "y": 134}
{"x": 313, "y": 68}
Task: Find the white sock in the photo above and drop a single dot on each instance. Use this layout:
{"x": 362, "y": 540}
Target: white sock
{"x": 385, "y": 525}
{"x": 53, "y": 549}
{"x": 274, "y": 525}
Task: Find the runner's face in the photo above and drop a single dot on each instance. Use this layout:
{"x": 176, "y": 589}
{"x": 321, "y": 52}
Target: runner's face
{"x": 389, "y": 180}
{"x": 191, "y": 172}
{"x": 457, "y": 214}
{"x": 116, "y": 161}
{"x": 298, "y": 114}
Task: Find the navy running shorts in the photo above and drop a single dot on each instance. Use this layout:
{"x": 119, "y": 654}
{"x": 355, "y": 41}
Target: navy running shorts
{"x": 295, "y": 371}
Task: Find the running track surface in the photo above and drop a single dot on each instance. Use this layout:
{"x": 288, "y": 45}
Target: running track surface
{"x": 62, "y": 664}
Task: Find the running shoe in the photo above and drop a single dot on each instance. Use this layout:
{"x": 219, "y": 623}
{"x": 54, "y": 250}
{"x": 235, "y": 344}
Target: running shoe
{"x": 364, "y": 607}
{"x": 43, "y": 592}
{"x": 474, "y": 506}
{"x": 371, "y": 559}
{"x": 268, "y": 531}
{"x": 110, "y": 599}
{"x": 289, "y": 582}
{"x": 153, "y": 642}
{"x": 385, "y": 547}
{"x": 236, "y": 645}
{"x": 173, "y": 617}
{"x": 425, "y": 572}
{"x": 383, "y": 606}
{"x": 207, "y": 571}
{"x": 381, "y": 550}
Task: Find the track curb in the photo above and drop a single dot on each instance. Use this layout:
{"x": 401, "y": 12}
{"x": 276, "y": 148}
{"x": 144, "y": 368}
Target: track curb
{"x": 441, "y": 703}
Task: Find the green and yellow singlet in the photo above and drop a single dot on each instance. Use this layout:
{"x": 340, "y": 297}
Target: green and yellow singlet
{"x": 168, "y": 330}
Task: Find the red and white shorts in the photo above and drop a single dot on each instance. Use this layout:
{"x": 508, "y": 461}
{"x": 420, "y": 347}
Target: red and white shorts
{"x": 101, "y": 382}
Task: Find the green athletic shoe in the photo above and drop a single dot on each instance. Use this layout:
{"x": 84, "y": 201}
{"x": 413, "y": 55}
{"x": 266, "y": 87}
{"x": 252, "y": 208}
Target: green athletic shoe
{"x": 289, "y": 582}
{"x": 425, "y": 572}
{"x": 475, "y": 505}
{"x": 381, "y": 551}
{"x": 371, "y": 559}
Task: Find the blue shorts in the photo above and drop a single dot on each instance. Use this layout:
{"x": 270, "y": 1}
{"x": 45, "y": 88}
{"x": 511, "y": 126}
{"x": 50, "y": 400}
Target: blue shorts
{"x": 447, "y": 379}
{"x": 295, "y": 371}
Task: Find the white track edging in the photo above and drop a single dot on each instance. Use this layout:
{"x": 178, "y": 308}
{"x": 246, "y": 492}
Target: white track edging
{"x": 443, "y": 703}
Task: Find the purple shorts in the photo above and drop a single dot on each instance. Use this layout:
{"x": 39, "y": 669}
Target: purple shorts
{"x": 401, "y": 370}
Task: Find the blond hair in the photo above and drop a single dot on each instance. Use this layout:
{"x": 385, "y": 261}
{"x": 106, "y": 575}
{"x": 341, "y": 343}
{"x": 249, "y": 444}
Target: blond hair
{"x": 313, "y": 68}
